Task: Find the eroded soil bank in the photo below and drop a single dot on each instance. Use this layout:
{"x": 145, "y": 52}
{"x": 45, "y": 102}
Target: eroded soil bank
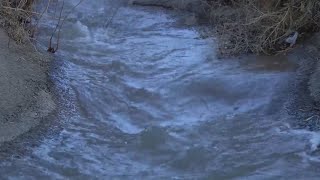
{"x": 306, "y": 89}
{"x": 25, "y": 97}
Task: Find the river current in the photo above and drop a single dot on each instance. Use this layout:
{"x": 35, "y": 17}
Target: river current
{"x": 144, "y": 97}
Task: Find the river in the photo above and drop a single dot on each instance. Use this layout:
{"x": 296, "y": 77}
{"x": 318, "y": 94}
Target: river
{"x": 144, "y": 97}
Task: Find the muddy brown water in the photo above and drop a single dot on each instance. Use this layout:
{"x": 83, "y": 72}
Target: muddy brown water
{"x": 147, "y": 99}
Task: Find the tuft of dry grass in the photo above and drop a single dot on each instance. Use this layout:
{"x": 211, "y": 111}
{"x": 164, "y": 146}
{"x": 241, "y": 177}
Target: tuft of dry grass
{"x": 16, "y": 17}
{"x": 261, "y": 26}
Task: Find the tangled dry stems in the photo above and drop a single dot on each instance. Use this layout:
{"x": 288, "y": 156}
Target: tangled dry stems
{"x": 16, "y": 18}
{"x": 257, "y": 26}
{"x": 261, "y": 26}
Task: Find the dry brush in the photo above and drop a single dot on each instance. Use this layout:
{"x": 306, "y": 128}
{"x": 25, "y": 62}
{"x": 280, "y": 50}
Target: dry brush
{"x": 261, "y": 26}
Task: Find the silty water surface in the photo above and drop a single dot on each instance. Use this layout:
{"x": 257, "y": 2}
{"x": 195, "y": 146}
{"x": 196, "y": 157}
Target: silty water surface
{"x": 148, "y": 99}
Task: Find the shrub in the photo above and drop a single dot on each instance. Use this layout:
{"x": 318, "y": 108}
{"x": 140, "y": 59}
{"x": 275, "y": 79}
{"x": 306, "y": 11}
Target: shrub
{"x": 261, "y": 26}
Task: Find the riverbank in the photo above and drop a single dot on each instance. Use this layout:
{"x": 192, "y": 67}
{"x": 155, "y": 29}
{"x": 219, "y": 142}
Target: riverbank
{"x": 25, "y": 97}
{"x": 255, "y": 26}
{"x": 147, "y": 97}
{"x": 303, "y": 103}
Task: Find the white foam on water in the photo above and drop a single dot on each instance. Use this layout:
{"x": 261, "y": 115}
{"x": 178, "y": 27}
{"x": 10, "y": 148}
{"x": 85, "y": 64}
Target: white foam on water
{"x": 125, "y": 125}
{"x": 313, "y": 137}
{"x": 310, "y": 138}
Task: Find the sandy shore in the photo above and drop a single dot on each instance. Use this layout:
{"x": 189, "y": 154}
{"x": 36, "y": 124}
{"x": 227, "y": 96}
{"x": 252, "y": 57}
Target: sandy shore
{"x": 25, "y": 97}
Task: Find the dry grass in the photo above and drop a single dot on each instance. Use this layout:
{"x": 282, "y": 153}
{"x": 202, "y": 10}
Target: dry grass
{"x": 257, "y": 26}
{"x": 261, "y": 26}
{"x": 16, "y": 16}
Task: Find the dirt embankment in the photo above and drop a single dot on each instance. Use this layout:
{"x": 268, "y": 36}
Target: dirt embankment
{"x": 25, "y": 97}
{"x": 314, "y": 83}
{"x": 304, "y": 95}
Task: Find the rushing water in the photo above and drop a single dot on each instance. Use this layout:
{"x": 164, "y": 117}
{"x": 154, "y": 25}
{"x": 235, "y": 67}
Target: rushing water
{"x": 145, "y": 98}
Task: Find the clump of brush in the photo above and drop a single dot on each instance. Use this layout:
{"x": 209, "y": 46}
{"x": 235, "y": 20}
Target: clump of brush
{"x": 261, "y": 26}
{"x": 16, "y": 17}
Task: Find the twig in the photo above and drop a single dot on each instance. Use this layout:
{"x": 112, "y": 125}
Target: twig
{"x": 74, "y": 7}
{"x": 50, "y": 48}
{"x": 111, "y": 19}
{"x": 59, "y": 27}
